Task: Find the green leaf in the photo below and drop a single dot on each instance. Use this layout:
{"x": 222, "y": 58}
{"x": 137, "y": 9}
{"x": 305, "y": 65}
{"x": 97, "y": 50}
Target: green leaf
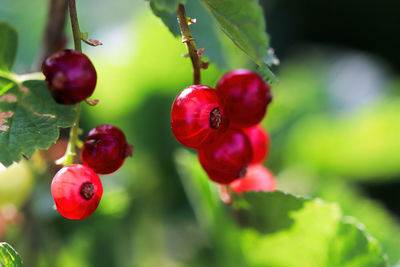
{"x": 168, "y": 18}
{"x": 378, "y": 221}
{"x": 9, "y": 257}
{"x": 29, "y": 120}
{"x": 267, "y": 74}
{"x": 169, "y": 6}
{"x": 5, "y": 85}
{"x": 8, "y": 46}
{"x": 352, "y": 246}
{"x": 206, "y": 34}
{"x": 326, "y": 237}
{"x": 263, "y": 228}
{"x": 204, "y": 31}
{"x": 276, "y": 219}
{"x": 243, "y": 22}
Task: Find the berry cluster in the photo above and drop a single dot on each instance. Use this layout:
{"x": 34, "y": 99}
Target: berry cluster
{"x": 222, "y": 124}
{"x": 77, "y": 188}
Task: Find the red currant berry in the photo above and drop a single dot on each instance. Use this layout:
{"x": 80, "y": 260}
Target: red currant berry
{"x": 227, "y": 156}
{"x": 245, "y": 97}
{"x": 70, "y": 76}
{"x": 105, "y": 149}
{"x": 260, "y": 143}
{"x": 196, "y": 116}
{"x": 258, "y": 178}
{"x": 77, "y": 191}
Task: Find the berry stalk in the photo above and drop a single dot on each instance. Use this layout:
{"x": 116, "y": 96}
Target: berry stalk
{"x": 70, "y": 153}
{"x": 75, "y": 25}
{"x": 189, "y": 41}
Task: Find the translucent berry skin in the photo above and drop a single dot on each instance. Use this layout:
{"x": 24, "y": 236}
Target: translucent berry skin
{"x": 245, "y": 97}
{"x": 258, "y": 178}
{"x": 105, "y": 149}
{"x": 70, "y": 76}
{"x": 227, "y": 157}
{"x": 196, "y": 116}
{"x": 260, "y": 143}
{"x": 77, "y": 191}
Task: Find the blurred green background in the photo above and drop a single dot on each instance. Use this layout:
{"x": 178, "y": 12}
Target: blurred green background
{"x": 334, "y": 125}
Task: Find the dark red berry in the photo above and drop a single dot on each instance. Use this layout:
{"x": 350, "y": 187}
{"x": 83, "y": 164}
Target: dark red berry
{"x": 260, "y": 143}
{"x": 70, "y": 76}
{"x": 258, "y": 178}
{"x": 77, "y": 191}
{"x": 196, "y": 116}
{"x": 105, "y": 149}
{"x": 245, "y": 97}
{"x": 227, "y": 156}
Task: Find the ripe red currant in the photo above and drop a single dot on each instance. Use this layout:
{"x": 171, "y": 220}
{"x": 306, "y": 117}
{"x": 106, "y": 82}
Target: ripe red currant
{"x": 245, "y": 97}
{"x": 258, "y": 178}
{"x": 70, "y": 76}
{"x": 77, "y": 191}
{"x": 227, "y": 156}
{"x": 105, "y": 149}
{"x": 260, "y": 143}
{"x": 196, "y": 116}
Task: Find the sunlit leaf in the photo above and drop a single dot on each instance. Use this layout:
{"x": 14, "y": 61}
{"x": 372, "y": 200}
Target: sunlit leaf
{"x": 312, "y": 232}
{"x": 378, "y": 221}
{"x": 5, "y": 85}
{"x": 9, "y": 257}
{"x": 276, "y": 228}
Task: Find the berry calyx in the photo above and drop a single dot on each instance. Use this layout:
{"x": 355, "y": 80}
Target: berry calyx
{"x": 76, "y": 190}
{"x": 227, "y": 156}
{"x": 70, "y": 76}
{"x": 196, "y": 116}
{"x": 105, "y": 149}
{"x": 260, "y": 143}
{"x": 245, "y": 97}
{"x": 87, "y": 190}
{"x": 258, "y": 178}
{"x": 215, "y": 118}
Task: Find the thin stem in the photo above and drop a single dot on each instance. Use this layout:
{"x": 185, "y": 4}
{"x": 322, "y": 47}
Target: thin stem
{"x": 188, "y": 39}
{"x": 70, "y": 153}
{"x": 75, "y": 25}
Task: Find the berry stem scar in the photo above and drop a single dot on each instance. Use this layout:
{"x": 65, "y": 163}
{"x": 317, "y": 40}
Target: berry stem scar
{"x": 69, "y": 156}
